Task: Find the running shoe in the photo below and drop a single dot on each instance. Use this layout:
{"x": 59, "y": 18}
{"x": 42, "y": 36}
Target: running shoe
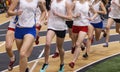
{"x": 72, "y": 50}
{"x": 10, "y": 66}
{"x": 44, "y": 68}
{"x": 55, "y": 55}
{"x": 37, "y": 40}
{"x": 61, "y": 68}
{"x": 105, "y": 45}
{"x": 82, "y": 47}
{"x": 27, "y": 70}
{"x": 85, "y": 55}
{"x": 72, "y": 64}
{"x": 104, "y": 33}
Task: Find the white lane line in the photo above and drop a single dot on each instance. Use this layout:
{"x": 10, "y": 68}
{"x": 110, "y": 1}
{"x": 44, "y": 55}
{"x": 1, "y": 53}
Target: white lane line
{"x": 3, "y": 43}
{"x": 37, "y": 60}
{"x": 4, "y": 22}
{"x": 96, "y": 61}
{"x": 3, "y": 29}
{"x": 2, "y": 34}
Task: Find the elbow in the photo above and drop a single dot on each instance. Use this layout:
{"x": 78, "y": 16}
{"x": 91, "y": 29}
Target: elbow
{"x": 9, "y": 13}
{"x": 105, "y": 12}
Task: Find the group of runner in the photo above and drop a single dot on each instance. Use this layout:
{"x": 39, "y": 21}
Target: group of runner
{"x": 82, "y": 18}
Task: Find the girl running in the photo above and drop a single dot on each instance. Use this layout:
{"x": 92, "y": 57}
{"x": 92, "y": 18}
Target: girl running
{"x": 10, "y": 40}
{"x": 59, "y": 11}
{"x": 25, "y": 32}
{"x": 80, "y": 26}
{"x": 69, "y": 24}
{"x": 114, "y": 16}
{"x": 95, "y": 25}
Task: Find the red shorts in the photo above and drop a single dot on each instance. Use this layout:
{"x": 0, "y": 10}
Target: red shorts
{"x": 77, "y": 29}
{"x": 12, "y": 29}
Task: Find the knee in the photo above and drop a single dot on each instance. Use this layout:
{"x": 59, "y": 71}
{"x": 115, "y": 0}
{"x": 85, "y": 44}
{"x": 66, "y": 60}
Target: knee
{"x": 47, "y": 45}
{"x": 90, "y": 38}
{"x": 22, "y": 54}
{"x": 8, "y": 47}
{"x": 77, "y": 44}
{"x": 107, "y": 28}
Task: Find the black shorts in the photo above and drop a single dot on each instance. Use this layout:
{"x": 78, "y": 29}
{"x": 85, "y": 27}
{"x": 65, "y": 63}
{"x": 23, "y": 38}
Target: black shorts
{"x": 117, "y": 20}
{"x": 69, "y": 24}
{"x": 60, "y": 34}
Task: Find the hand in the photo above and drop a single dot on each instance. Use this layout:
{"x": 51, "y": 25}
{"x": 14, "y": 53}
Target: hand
{"x": 7, "y": 16}
{"x": 19, "y": 12}
{"x": 55, "y": 13}
{"x": 77, "y": 15}
{"x": 109, "y": 9}
{"x": 46, "y": 22}
{"x": 113, "y": 2}
{"x": 90, "y": 19}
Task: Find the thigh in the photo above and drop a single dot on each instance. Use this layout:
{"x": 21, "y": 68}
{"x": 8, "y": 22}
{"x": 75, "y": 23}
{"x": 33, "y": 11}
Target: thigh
{"x": 50, "y": 35}
{"x": 110, "y": 22}
{"x": 81, "y": 36}
{"x": 75, "y": 36}
{"x": 118, "y": 27}
{"x": 97, "y": 32}
{"x": 19, "y": 43}
{"x": 27, "y": 44}
{"x": 59, "y": 42}
{"x": 90, "y": 31}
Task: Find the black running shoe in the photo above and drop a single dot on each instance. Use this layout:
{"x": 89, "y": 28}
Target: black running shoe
{"x": 85, "y": 55}
{"x": 61, "y": 68}
{"x": 44, "y": 68}
{"x": 27, "y": 70}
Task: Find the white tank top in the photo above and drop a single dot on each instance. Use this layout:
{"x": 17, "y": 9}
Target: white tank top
{"x": 12, "y": 24}
{"x": 38, "y": 13}
{"x": 115, "y": 10}
{"x": 70, "y": 1}
{"x": 98, "y": 18}
{"x": 83, "y": 9}
{"x": 55, "y": 22}
{"x": 27, "y": 18}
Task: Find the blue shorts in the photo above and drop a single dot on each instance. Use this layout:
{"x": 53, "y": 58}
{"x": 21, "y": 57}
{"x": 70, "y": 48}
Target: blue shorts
{"x": 21, "y": 32}
{"x": 97, "y": 25}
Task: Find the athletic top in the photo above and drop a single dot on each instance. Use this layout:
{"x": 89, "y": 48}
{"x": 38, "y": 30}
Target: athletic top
{"x": 115, "y": 10}
{"x": 13, "y": 22}
{"x": 70, "y": 1}
{"x": 55, "y": 22}
{"x": 27, "y": 18}
{"x": 38, "y": 13}
{"x": 98, "y": 18}
{"x": 82, "y": 9}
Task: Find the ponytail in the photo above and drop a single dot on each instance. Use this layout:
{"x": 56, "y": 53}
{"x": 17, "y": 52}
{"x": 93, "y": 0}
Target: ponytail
{"x": 48, "y": 2}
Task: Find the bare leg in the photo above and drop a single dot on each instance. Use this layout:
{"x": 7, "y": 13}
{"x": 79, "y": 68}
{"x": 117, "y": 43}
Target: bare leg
{"x": 109, "y": 24}
{"x": 27, "y": 44}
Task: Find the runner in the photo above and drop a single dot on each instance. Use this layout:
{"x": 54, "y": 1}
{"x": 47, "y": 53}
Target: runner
{"x": 80, "y": 25}
{"x": 25, "y": 32}
{"x": 59, "y": 11}
{"x": 114, "y": 16}
{"x": 95, "y": 25}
